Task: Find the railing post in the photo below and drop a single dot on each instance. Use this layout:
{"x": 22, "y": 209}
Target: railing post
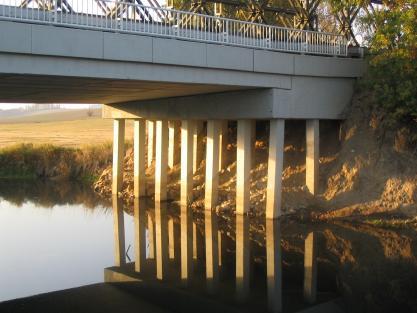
{"x": 226, "y": 33}
{"x": 55, "y": 18}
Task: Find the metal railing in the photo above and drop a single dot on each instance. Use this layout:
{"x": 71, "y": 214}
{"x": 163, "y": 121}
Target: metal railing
{"x": 125, "y": 17}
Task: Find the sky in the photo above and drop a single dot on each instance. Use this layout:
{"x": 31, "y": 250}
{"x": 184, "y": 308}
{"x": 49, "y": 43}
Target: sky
{"x": 11, "y": 106}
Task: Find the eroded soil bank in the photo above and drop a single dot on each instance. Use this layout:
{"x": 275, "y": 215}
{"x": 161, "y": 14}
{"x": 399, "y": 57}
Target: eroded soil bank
{"x": 366, "y": 169}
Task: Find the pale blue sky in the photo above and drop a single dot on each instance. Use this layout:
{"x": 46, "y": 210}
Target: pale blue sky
{"x": 9, "y": 106}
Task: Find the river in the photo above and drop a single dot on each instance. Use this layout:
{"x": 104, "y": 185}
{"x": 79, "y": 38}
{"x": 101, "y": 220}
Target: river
{"x": 60, "y": 235}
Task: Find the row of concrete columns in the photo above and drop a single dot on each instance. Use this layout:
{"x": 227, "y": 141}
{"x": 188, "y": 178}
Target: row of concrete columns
{"x": 164, "y": 140}
{"x": 165, "y": 243}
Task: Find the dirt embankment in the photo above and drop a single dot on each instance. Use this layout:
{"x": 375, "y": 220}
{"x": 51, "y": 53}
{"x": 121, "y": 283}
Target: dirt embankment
{"x": 366, "y": 169}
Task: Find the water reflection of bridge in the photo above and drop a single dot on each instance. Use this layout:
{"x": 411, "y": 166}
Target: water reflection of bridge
{"x": 174, "y": 251}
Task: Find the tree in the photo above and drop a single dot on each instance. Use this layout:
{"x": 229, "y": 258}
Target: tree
{"x": 393, "y": 59}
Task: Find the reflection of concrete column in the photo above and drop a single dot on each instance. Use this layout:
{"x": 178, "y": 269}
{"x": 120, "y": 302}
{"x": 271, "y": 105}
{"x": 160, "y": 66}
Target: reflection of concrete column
{"x": 195, "y": 253}
{"x": 186, "y": 244}
{"x": 212, "y": 250}
{"x": 312, "y": 155}
{"x": 151, "y": 236}
{"x": 222, "y": 247}
{"x": 139, "y": 158}
{"x": 275, "y": 163}
{"x": 224, "y": 133}
{"x": 171, "y": 239}
{"x": 197, "y": 144}
{"x": 274, "y": 265}
{"x": 140, "y": 234}
{"x": 212, "y": 164}
{"x": 119, "y": 232}
{"x": 161, "y": 235}
{"x": 150, "y": 125}
{"x": 174, "y": 143}
{"x": 310, "y": 268}
{"x": 187, "y": 129}
{"x": 244, "y": 152}
{"x": 118, "y": 155}
{"x": 242, "y": 257}
{"x": 161, "y": 161}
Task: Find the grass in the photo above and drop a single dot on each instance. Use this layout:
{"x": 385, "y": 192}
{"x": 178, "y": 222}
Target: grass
{"x": 63, "y": 133}
{"x": 28, "y": 161}
{"x": 392, "y": 223}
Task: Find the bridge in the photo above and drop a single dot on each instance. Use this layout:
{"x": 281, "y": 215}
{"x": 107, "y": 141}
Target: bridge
{"x": 159, "y": 66}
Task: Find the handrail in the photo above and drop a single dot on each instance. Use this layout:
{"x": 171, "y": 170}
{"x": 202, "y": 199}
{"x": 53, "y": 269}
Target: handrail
{"x": 126, "y": 17}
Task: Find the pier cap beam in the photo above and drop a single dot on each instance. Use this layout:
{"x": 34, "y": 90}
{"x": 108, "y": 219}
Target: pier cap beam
{"x": 309, "y": 98}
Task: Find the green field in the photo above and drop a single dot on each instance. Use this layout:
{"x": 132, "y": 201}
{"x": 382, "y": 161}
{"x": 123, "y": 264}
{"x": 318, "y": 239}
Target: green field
{"x": 69, "y": 128}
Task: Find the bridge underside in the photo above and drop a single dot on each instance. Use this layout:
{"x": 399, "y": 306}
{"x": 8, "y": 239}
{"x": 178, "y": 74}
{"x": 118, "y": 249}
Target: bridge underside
{"x": 59, "y": 89}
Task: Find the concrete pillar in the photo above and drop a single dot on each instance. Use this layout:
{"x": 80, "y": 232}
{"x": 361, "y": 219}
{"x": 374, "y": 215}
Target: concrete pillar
{"x": 161, "y": 161}
{"x": 150, "y": 125}
{"x": 275, "y": 164}
{"x": 242, "y": 257}
{"x": 312, "y": 156}
{"x": 139, "y": 158}
{"x": 161, "y": 235}
{"x": 224, "y": 133}
{"x": 212, "y": 250}
{"x": 310, "y": 268}
{"x": 212, "y": 164}
{"x": 186, "y": 244}
{"x": 119, "y": 232}
{"x": 197, "y": 144}
{"x": 244, "y": 153}
{"x": 274, "y": 265}
{"x": 118, "y": 155}
{"x": 187, "y": 143}
{"x": 151, "y": 236}
{"x": 174, "y": 143}
{"x": 140, "y": 234}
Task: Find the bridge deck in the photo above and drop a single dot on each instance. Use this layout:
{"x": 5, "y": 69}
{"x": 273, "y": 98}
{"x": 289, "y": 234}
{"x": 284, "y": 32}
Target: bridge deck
{"x": 183, "y": 25}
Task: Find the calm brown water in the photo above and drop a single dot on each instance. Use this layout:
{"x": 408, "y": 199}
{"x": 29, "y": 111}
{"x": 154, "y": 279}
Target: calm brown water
{"x": 55, "y": 236}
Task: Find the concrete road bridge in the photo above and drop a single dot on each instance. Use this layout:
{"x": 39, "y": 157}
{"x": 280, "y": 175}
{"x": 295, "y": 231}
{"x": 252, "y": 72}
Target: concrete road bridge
{"x": 168, "y": 70}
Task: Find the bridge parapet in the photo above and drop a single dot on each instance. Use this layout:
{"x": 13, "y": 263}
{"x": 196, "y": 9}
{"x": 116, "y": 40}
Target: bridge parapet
{"x": 126, "y": 17}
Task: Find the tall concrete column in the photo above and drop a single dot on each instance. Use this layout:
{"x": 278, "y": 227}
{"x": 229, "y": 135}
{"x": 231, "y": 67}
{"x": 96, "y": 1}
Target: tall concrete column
{"x": 161, "y": 161}
{"x": 197, "y": 144}
{"x": 212, "y": 250}
{"x": 139, "y": 158}
{"x": 150, "y": 126}
{"x": 119, "y": 232}
{"x": 140, "y": 234}
{"x": 242, "y": 257}
{"x": 118, "y": 154}
{"x": 244, "y": 160}
{"x": 274, "y": 265}
{"x": 312, "y": 156}
{"x": 161, "y": 235}
{"x": 187, "y": 143}
{"x": 275, "y": 164}
{"x": 212, "y": 164}
{"x": 186, "y": 244}
{"x": 224, "y": 133}
{"x": 174, "y": 143}
{"x": 310, "y": 268}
